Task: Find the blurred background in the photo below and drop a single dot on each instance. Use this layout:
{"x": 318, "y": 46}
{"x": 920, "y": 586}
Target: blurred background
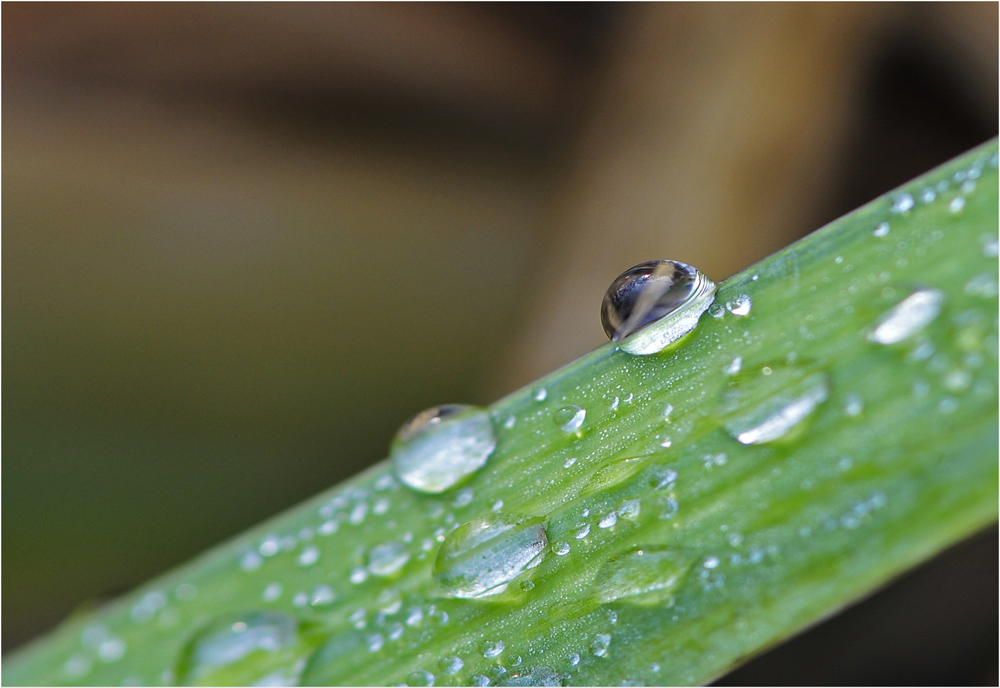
{"x": 243, "y": 242}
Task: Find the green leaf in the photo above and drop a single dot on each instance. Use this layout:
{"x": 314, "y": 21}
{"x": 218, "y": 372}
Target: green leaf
{"x": 840, "y": 431}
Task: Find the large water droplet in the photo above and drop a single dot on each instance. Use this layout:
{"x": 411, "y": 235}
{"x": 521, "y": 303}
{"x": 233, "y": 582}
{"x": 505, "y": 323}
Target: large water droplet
{"x": 766, "y": 404}
{"x": 644, "y": 575}
{"x": 908, "y": 317}
{"x": 654, "y": 304}
{"x": 242, "y": 649}
{"x": 442, "y": 445}
{"x": 480, "y": 557}
{"x": 570, "y": 418}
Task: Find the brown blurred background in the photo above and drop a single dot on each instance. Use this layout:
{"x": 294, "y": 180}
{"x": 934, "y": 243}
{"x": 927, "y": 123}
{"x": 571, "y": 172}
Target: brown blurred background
{"x": 243, "y": 242}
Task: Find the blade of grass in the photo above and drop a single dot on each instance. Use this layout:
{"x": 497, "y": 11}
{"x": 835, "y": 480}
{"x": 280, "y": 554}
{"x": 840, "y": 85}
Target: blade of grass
{"x": 718, "y": 549}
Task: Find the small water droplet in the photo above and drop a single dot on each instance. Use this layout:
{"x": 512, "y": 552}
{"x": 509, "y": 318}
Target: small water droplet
{"x": 300, "y": 599}
{"x": 111, "y": 650}
{"x": 652, "y": 305}
{"x": 602, "y": 641}
{"x": 630, "y": 509}
{"x": 666, "y": 442}
{"x": 328, "y": 528}
{"x": 991, "y": 245}
{"x": 957, "y": 204}
{"x": 569, "y": 462}
{"x": 480, "y": 557}
{"x": 240, "y": 649}
{"x": 711, "y": 563}
{"x": 510, "y": 422}
{"x": 387, "y": 559}
{"x": 853, "y": 405}
{"x": 583, "y": 532}
{"x": 309, "y": 556}
{"x": 881, "y": 229}
{"x": 667, "y": 410}
{"x": 968, "y": 187}
{"x": 480, "y": 680}
{"x": 734, "y": 366}
{"x": 908, "y": 317}
{"x": 77, "y": 666}
{"x": 463, "y": 497}
{"x": 574, "y": 659}
{"x": 272, "y": 592}
{"x": 766, "y": 405}
{"x": 569, "y": 418}
{"x": 562, "y": 549}
{"x": 983, "y": 285}
{"x": 741, "y": 305}
{"x": 441, "y": 446}
{"x": 497, "y": 505}
{"x": 902, "y": 203}
{"x": 359, "y": 574}
{"x": 451, "y": 665}
{"x": 269, "y": 546}
{"x": 251, "y": 561}
{"x": 614, "y": 404}
{"x": 608, "y": 521}
{"x": 534, "y": 676}
{"x": 540, "y": 394}
{"x": 948, "y": 405}
{"x": 493, "y": 649}
{"x": 928, "y": 195}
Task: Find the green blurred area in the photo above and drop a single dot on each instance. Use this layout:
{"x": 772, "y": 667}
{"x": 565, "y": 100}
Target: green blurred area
{"x": 243, "y": 243}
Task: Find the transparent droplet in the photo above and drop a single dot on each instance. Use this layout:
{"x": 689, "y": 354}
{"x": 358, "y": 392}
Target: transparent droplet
{"x": 734, "y": 366}
{"x": 630, "y": 509}
{"x": 882, "y": 228}
{"x": 908, "y": 317}
{"x": 111, "y": 650}
{"x": 741, "y": 305}
{"x": 540, "y": 394}
{"x": 534, "y": 676}
{"x": 336, "y": 658}
{"x": 562, "y": 549}
{"x": 493, "y": 649}
{"x": 991, "y": 246}
{"x": 984, "y": 285}
{"x": 957, "y": 204}
{"x": 451, "y": 665}
{"x": 309, "y": 556}
{"x": 766, "y": 404}
{"x": 602, "y": 641}
{"x": 654, "y": 304}
{"x": 480, "y": 557}
{"x": 420, "y": 677}
{"x": 387, "y": 558}
{"x": 272, "y": 592}
{"x": 583, "y": 532}
{"x": 570, "y": 418}
{"x": 441, "y": 446}
{"x": 242, "y": 649}
{"x": 927, "y": 195}
{"x": 902, "y": 203}
{"x": 608, "y": 521}
{"x": 854, "y": 405}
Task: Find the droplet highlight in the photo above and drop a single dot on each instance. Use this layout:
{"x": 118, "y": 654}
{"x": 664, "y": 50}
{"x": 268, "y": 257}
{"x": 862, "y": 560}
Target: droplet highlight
{"x": 909, "y": 316}
{"x": 766, "y": 404}
{"x": 646, "y": 575}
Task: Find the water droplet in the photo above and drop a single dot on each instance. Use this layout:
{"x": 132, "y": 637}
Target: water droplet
{"x": 77, "y": 666}
{"x": 359, "y": 574}
{"x": 540, "y": 394}
{"x": 569, "y": 418}
{"x": 666, "y": 442}
{"x": 562, "y": 549}
{"x": 612, "y": 473}
{"x": 442, "y": 445}
{"x": 387, "y": 559}
{"x": 328, "y": 528}
{"x": 928, "y": 195}
{"x": 497, "y": 505}
{"x": 583, "y": 532}
{"x": 908, "y": 317}
{"x": 534, "y": 676}
{"x": 482, "y": 556}
{"x": 968, "y": 187}
{"x": 322, "y": 595}
{"x": 376, "y": 642}
{"x": 574, "y": 659}
{"x": 569, "y": 462}
{"x": 146, "y": 608}
{"x": 902, "y": 203}
{"x": 337, "y": 657}
{"x": 881, "y": 229}
{"x": 734, "y": 366}
{"x": 251, "y": 561}
{"x": 957, "y": 204}
{"x": 853, "y": 405}
{"x": 493, "y": 649}
{"x": 272, "y": 592}
{"x": 358, "y": 513}
{"x": 241, "y": 649}
{"x": 480, "y": 680}
{"x": 309, "y": 556}
{"x": 270, "y": 546}
{"x": 608, "y": 521}
{"x": 741, "y": 305}
{"x": 983, "y": 285}
{"x": 664, "y": 478}
{"x": 111, "y": 650}
{"x": 451, "y": 665}
{"x": 711, "y": 563}
{"x": 991, "y": 246}
{"x": 667, "y": 410}
{"x": 766, "y": 405}
{"x": 602, "y": 641}
{"x": 614, "y": 404}
{"x": 300, "y": 599}
{"x": 654, "y": 304}
{"x": 630, "y": 509}
{"x": 948, "y": 405}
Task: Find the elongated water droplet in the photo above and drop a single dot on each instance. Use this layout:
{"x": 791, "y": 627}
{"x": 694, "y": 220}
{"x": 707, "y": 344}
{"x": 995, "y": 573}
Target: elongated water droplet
{"x": 570, "y": 418}
{"x": 387, "y": 558}
{"x": 493, "y": 648}
{"x": 534, "y": 676}
{"x": 612, "y": 473}
{"x": 441, "y": 446}
{"x": 654, "y": 304}
{"x": 644, "y": 575}
{"x": 882, "y": 228}
{"x": 480, "y": 557}
{"x": 764, "y": 405}
{"x": 908, "y": 317}
{"x": 602, "y": 641}
{"x": 242, "y": 649}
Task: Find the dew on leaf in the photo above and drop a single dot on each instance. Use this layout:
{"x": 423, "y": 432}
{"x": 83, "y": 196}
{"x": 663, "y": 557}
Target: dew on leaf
{"x": 766, "y": 404}
{"x": 908, "y": 317}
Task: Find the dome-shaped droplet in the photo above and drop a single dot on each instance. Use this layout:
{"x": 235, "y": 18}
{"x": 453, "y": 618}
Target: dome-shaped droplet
{"x": 388, "y": 558}
{"x": 909, "y": 316}
{"x": 442, "y": 445}
{"x": 534, "y": 676}
{"x": 764, "y": 405}
{"x": 338, "y": 657}
{"x": 480, "y": 557}
{"x": 654, "y": 304}
{"x": 244, "y": 649}
{"x": 569, "y": 418}
{"x": 643, "y": 575}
